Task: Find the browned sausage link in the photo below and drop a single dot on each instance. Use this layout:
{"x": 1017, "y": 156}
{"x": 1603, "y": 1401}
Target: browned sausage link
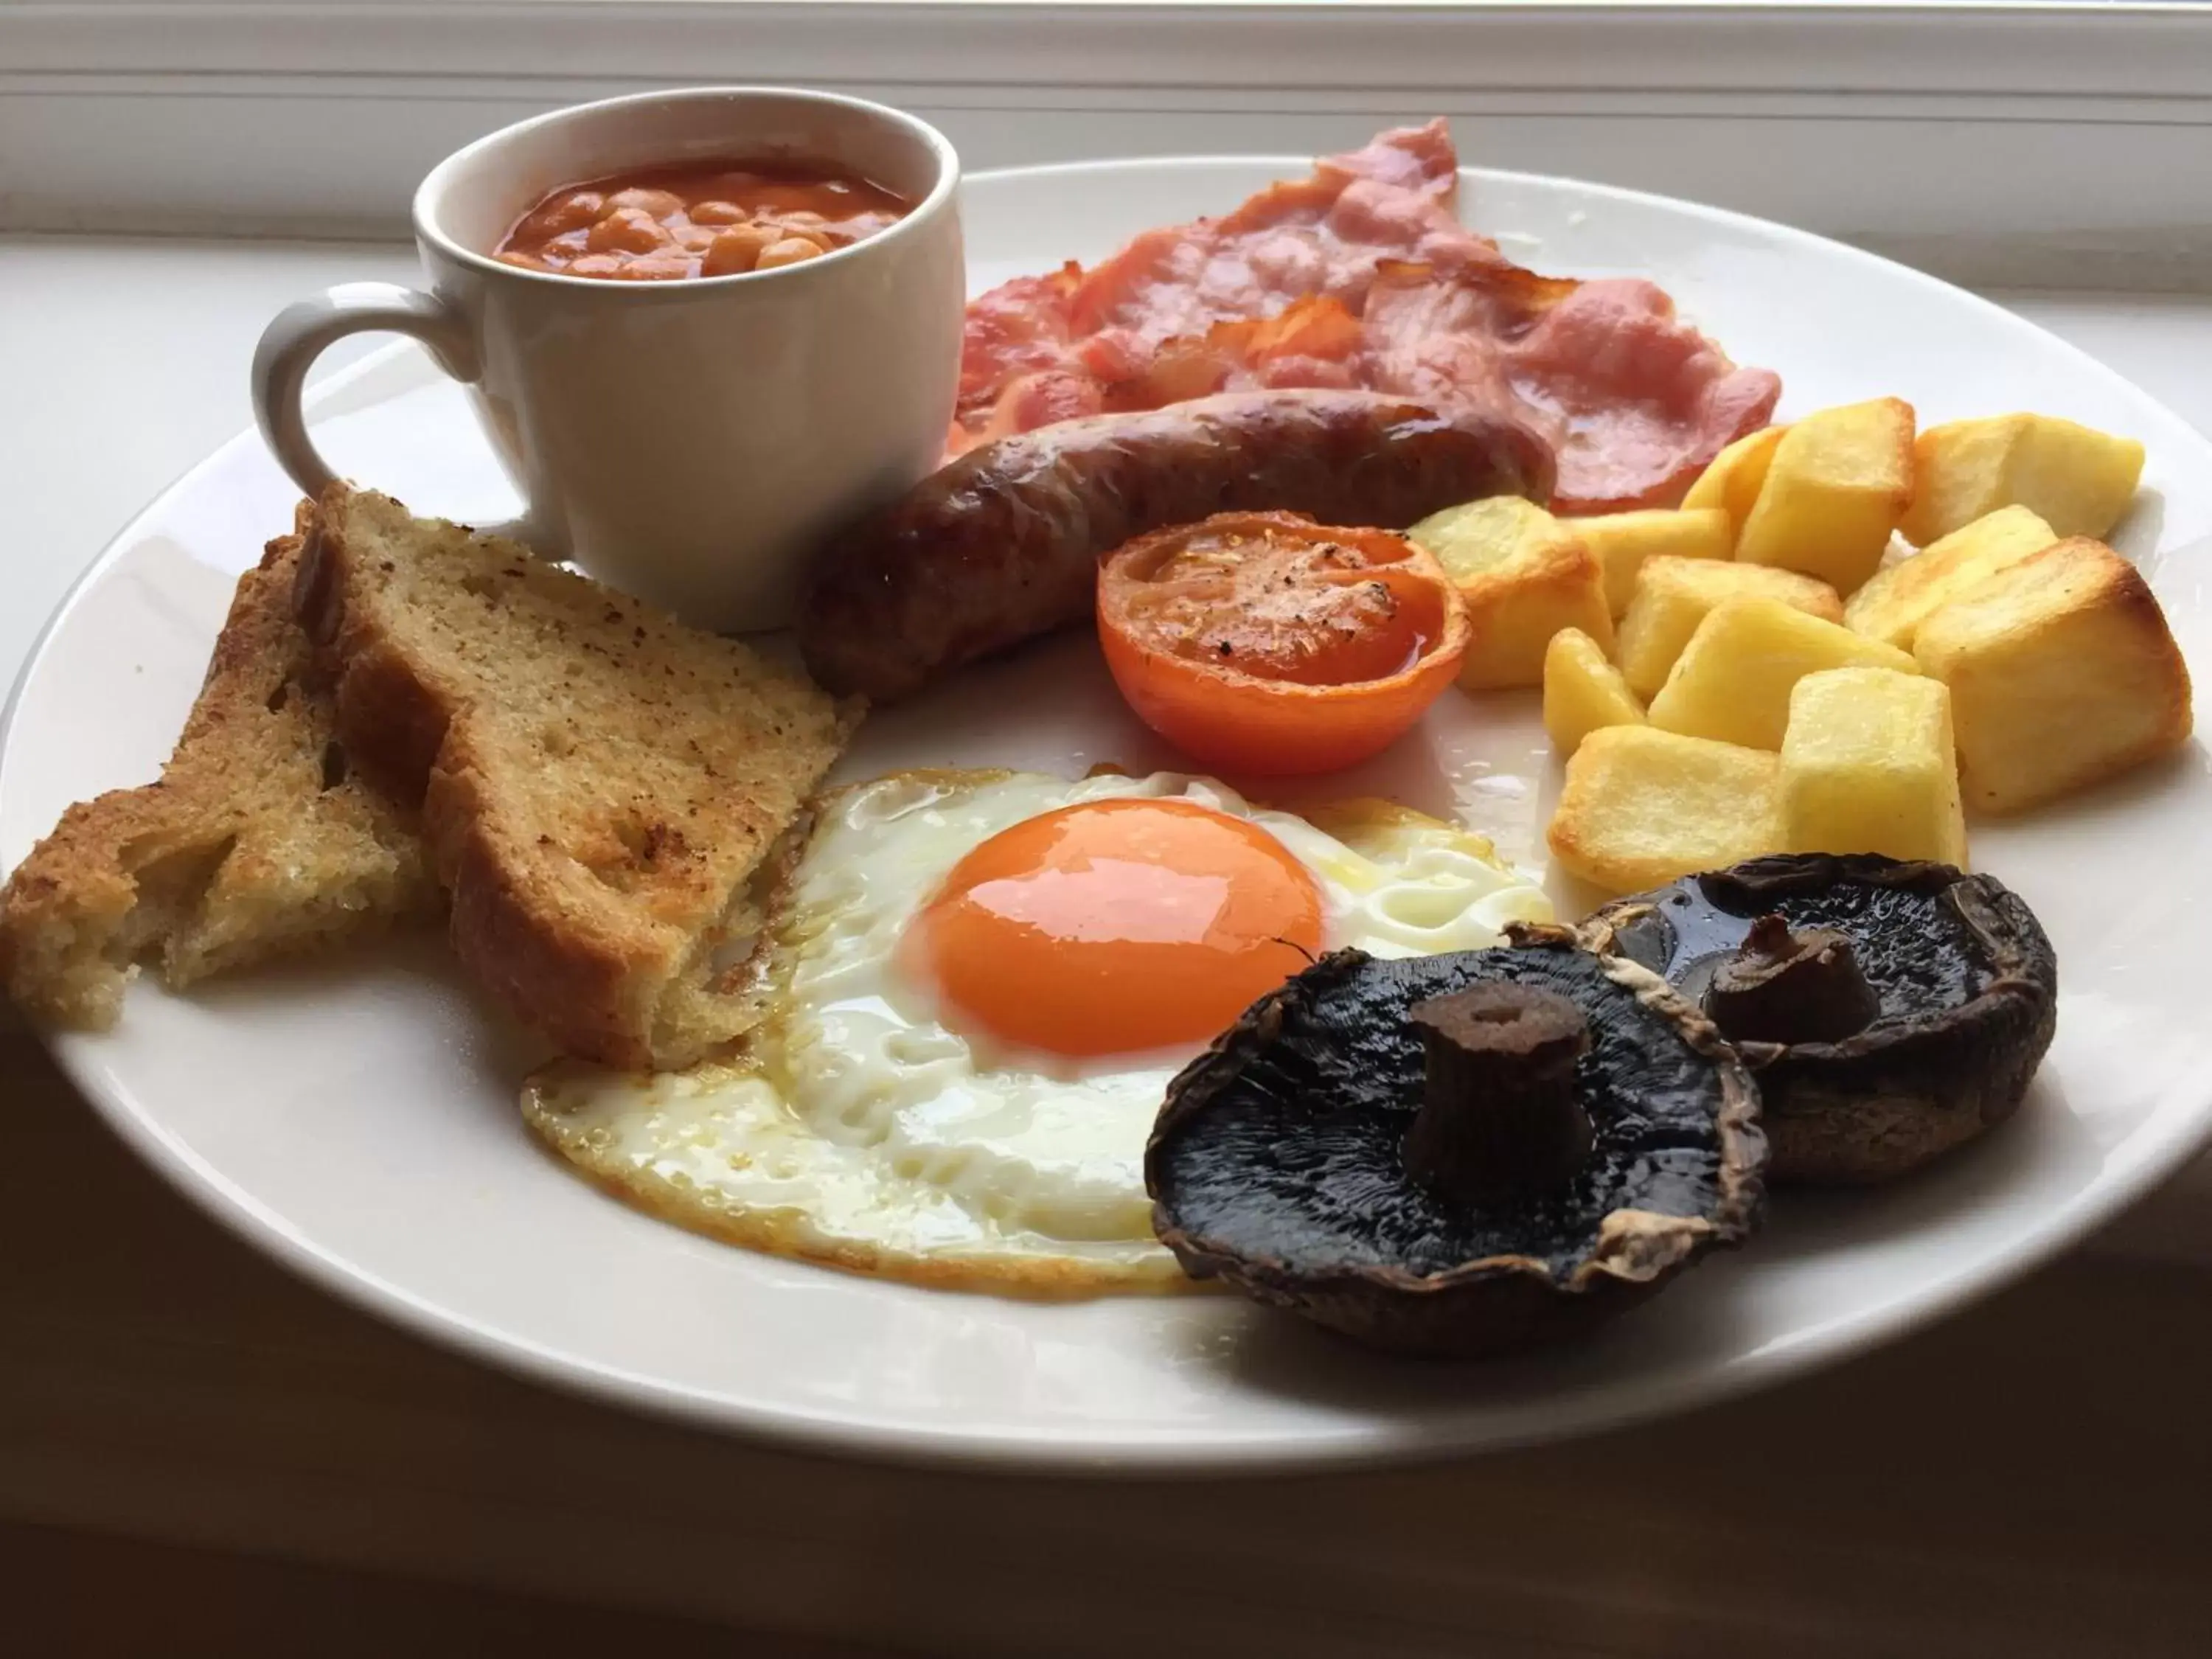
{"x": 1003, "y": 544}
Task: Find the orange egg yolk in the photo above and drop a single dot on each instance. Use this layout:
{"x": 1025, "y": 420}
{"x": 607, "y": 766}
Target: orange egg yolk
{"x": 1117, "y": 924}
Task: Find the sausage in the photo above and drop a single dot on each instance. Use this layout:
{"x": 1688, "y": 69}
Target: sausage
{"x": 1003, "y": 544}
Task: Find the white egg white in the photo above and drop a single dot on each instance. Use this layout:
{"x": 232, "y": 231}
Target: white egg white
{"x": 860, "y": 1128}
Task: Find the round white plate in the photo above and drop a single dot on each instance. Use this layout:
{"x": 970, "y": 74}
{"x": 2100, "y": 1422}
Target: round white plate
{"x": 357, "y": 1118}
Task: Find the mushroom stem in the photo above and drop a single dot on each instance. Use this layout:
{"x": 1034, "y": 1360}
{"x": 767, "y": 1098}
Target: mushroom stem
{"x": 1784, "y": 987}
{"x": 1498, "y": 1115}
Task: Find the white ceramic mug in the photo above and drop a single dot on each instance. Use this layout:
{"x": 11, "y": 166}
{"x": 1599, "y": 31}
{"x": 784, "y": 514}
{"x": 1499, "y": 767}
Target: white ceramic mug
{"x": 689, "y": 441}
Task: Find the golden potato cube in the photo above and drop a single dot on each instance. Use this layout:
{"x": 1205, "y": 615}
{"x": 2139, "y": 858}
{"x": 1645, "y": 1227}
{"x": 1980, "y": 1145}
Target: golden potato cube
{"x": 1839, "y": 483}
{"x": 1867, "y": 767}
{"x": 1672, "y": 596}
{"x": 2061, "y": 673}
{"x": 1733, "y": 680}
{"x": 1640, "y": 807}
{"x": 1476, "y": 535}
{"x": 1621, "y": 542}
{"x": 1583, "y": 691}
{"x": 1517, "y": 607}
{"x": 2077, "y": 479}
{"x": 1524, "y": 577}
{"x": 1893, "y": 606}
{"x": 1733, "y": 481}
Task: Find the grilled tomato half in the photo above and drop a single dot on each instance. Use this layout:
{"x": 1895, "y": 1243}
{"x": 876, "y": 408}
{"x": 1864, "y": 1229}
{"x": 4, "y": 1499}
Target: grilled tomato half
{"x": 1263, "y": 642}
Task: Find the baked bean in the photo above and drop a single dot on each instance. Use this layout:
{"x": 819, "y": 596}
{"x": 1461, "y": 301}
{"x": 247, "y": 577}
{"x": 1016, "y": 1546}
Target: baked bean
{"x": 626, "y": 230}
{"x": 788, "y": 252}
{"x": 714, "y": 218}
{"x": 654, "y": 204}
{"x": 736, "y": 251}
{"x": 654, "y": 268}
{"x": 572, "y": 210}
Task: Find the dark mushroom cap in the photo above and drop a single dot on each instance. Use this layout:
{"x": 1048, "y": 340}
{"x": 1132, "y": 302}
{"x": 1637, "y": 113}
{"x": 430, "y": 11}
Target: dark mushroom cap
{"x": 1278, "y": 1161}
{"x": 1965, "y": 983}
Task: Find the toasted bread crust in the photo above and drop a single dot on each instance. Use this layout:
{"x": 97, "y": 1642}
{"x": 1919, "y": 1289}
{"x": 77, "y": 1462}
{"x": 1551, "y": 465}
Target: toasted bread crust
{"x": 596, "y": 781}
{"x": 590, "y": 988}
{"x": 256, "y": 842}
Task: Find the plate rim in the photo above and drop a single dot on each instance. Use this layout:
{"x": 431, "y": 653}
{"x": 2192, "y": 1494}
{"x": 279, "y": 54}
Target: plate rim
{"x": 1381, "y": 1442}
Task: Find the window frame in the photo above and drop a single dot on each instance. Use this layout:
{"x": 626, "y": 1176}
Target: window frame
{"x": 1970, "y": 135}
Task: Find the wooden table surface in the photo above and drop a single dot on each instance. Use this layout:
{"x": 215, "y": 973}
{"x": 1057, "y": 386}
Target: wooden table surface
{"x": 198, "y": 1453}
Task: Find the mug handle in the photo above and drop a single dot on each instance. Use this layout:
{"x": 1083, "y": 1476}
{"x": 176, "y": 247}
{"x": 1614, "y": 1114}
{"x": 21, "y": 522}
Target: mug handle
{"x": 300, "y": 333}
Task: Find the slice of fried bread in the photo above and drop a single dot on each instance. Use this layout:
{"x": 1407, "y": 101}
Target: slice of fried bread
{"x": 598, "y": 781}
{"x": 257, "y": 841}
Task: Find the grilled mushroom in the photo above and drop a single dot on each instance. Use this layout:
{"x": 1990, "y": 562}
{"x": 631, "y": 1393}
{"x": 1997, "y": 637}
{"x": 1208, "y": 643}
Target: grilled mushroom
{"x": 1458, "y": 1154}
{"x": 1891, "y": 1010}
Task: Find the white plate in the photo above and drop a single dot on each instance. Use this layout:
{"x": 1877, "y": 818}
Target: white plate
{"x": 357, "y": 1119}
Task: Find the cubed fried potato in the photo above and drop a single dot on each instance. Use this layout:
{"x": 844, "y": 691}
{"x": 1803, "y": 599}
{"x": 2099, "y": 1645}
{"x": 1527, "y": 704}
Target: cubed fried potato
{"x": 1621, "y": 542}
{"x": 1641, "y": 806}
{"x": 1733, "y": 481}
{"x": 1893, "y": 606}
{"x": 2062, "y": 673}
{"x": 1471, "y": 537}
{"x": 2077, "y": 479}
{"x": 1839, "y": 483}
{"x": 1524, "y": 577}
{"x": 1517, "y": 607}
{"x": 1733, "y": 680}
{"x": 1672, "y": 596}
{"x": 1583, "y": 691}
{"x": 1867, "y": 767}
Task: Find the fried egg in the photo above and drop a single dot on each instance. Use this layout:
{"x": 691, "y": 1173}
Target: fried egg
{"x": 974, "y": 988}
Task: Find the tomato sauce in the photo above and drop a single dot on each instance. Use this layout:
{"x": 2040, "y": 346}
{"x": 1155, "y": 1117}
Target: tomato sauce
{"x": 719, "y": 218}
